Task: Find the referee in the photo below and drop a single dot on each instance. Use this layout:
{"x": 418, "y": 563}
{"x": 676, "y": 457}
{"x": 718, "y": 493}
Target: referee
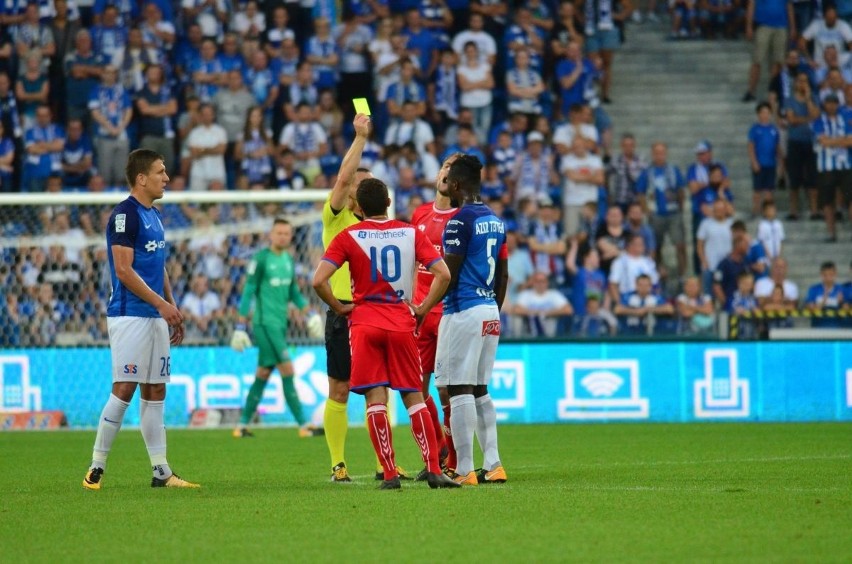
{"x": 339, "y": 212}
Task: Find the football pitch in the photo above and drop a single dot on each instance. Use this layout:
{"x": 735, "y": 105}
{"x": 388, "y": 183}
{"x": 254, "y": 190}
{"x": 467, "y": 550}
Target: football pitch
{"x": 587, "y": 493}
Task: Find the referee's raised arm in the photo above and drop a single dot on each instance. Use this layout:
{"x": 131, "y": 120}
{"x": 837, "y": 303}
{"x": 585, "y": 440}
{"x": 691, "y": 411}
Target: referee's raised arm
{"x": 346, "y": 175}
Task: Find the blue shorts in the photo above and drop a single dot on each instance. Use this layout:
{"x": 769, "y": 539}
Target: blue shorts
{"x": 763, "y": 180}
{"x": 603, "y": 40}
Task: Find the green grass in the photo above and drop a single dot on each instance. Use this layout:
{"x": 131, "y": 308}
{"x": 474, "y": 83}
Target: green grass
{"x": 607, "y": 493}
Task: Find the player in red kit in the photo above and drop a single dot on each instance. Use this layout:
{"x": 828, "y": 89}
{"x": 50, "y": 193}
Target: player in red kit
{"x": 430, "y": 219}
{"x": 382, "y": 255}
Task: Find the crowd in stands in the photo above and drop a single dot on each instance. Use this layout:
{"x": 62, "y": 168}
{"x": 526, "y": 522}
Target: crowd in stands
{"x": 257, "y": 95}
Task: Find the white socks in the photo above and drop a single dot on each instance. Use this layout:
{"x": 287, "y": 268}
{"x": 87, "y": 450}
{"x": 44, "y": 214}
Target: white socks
{"x": 108, "y": 427}
{"x": 152, "y": 425}
{"x": 463, "y": 426}
{"x": 486, "y": 431}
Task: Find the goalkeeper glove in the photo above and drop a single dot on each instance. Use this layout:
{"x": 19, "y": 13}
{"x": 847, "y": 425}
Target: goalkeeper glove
{"x": 240, "y": 340}
{"x": 314, "y": 325}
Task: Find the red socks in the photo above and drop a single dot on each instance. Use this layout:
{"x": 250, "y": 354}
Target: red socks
{"x": 380, "y": 435}
{"x": 436, "y": 423}
{"x": 424, "y": 436}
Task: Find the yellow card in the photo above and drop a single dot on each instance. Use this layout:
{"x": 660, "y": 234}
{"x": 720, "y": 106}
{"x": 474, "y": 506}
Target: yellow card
{"x": 361, "y": 106}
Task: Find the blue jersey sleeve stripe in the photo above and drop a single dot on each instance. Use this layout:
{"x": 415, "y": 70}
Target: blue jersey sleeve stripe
{"x": 428, "y": 266}
{"x": 328, "y": 260}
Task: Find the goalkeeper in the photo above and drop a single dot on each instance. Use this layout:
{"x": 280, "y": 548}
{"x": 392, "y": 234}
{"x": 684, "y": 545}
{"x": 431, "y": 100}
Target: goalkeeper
{"x": 271, "y": 286}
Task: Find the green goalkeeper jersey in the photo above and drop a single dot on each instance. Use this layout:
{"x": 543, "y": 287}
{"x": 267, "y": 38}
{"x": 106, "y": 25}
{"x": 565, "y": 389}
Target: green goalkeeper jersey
{"x": 270, "y": 286}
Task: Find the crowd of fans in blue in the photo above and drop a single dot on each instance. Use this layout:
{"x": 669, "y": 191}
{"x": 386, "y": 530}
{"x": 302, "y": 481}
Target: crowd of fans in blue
{"x": 256, "y": 95}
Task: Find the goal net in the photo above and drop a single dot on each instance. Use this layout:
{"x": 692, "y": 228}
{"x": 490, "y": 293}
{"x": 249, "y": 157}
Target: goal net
{"x": 55, "y": 271}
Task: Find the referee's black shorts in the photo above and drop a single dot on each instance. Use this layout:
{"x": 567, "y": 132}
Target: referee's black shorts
{"x": 337, "y": 351}
{"x": 828, "y": 183}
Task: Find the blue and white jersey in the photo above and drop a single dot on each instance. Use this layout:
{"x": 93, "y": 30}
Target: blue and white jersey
{"x": 109, "y": 40}
{"x": 206, "y": 91}
{"x": 662, "y": 185}
{"x": 112, "y": 102}
{"x": 479, "y": 236}
{"x": 259, "y": 82}
{"x": 830, "y": 158}
{"x": 133, "y": 225}
{"x": 325, "y": 76}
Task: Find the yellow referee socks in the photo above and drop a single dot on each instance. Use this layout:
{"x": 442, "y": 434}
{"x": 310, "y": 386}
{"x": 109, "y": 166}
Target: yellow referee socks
{"x": 336, "y": 424}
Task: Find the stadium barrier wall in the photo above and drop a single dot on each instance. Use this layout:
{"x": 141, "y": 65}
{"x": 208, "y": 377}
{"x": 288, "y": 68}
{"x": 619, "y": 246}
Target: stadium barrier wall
{"x": 532, "y": 382}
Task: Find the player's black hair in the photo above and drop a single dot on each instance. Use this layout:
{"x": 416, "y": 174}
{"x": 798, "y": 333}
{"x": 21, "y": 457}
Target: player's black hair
{"x": 827, "y": 265}
{"x": 280, "y": 221}
{"x": 372, "y": 197}
{"x": 762, "y": 105}
{"x": 739, "y": 226}
{"x": 140, "y": 162}
{"x": 767, "y": 204}
{"x": 466, "y": 170}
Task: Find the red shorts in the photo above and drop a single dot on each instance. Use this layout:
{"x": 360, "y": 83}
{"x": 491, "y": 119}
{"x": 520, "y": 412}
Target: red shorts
{"x": 427, "y": 341}
{"x": 383, "y": 358}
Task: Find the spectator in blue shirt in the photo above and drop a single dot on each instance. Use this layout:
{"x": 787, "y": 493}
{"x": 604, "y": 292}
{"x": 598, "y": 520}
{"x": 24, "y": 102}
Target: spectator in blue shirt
{"x": 660, "y": 189}
{"x": 111, "y": 112}
{"x": 572, "y": 73}
{"x": 800, "y": 108}
{"x": 831, "y": 131}
{"x": 826, "y": 297}
{"x": 638, "y": 309}
{"x": 728, "y": 272}
{"x": 524, "y": 36}
{"x": 466, "y": 145}
{"x": 77, "y": 157}
{"x": 758, "y": 262}
{"x": 43, "y": 142}
{"x": 588, "y": 279}
{"x": 83, "y": 68}
{"x": 764, "y": 151}
{"x": 421, "y": 41}
{"x": 321, "y": 52}
{"x": 110, "y": 36}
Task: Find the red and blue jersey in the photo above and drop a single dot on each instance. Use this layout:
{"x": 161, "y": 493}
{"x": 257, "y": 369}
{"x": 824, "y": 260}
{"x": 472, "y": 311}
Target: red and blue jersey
{"x": 133, "y": 225}
{"x": 479, "y": 236}
{"x": 382, "y": 257}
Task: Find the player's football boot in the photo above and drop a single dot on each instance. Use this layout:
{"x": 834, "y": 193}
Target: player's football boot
{"x": 242, "y": 433}
{"x": 495, "y": 476}
{"x": 309, "y": 430}
{"x": 403, "y": 475}
{"x": 340, "y": 474}
{"x": 92, "y": 481}
{"x": 443, "y": 456}
{"x": 440, "y": 480}
{"x": 421, "y": 476}
{"x": 468, "y": 479}
{"x": 173, "y": 481}
{"x": 392, "y": 484}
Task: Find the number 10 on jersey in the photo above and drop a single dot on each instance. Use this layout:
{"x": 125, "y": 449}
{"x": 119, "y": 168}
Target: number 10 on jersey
{"x": 387, "y": 262}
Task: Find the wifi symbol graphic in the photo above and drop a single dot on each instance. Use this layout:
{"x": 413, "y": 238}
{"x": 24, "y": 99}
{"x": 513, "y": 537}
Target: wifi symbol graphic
{"x": 601, "y": 383}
